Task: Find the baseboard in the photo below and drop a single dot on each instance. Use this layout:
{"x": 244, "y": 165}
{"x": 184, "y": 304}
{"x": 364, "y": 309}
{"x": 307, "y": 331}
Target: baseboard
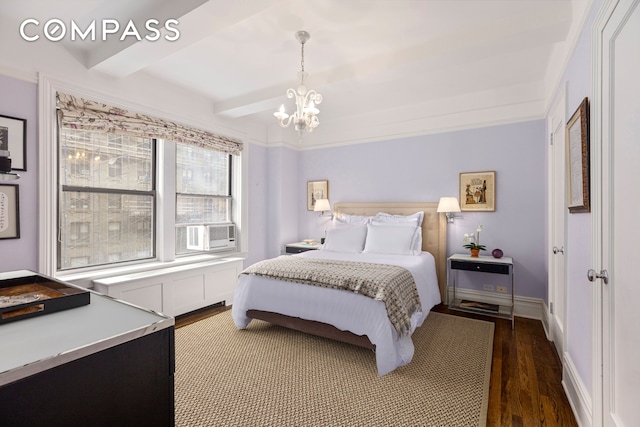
{"x": 531, "y": 308}
{"x": 546, "y": 320}
{"x": 576, "y": 392}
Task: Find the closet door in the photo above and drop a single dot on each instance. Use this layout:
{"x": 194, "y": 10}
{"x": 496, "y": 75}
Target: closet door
{"x": 557, "y": 224}
{"x": 616, "y": 223}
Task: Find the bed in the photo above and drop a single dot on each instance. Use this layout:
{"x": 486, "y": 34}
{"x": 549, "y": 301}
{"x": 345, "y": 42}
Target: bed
{"x": 347, "y": 316}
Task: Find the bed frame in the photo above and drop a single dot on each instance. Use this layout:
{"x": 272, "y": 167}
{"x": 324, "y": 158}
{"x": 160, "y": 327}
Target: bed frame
{"x": 434, "y": 239}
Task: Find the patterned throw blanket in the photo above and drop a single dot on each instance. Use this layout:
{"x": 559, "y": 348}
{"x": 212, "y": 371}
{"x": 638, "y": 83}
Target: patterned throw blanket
{"x": 390, "y": 284}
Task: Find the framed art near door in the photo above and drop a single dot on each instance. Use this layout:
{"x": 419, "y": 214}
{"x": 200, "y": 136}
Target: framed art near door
{"x": 577, "y": 141}
{"x": 9, "y": 212}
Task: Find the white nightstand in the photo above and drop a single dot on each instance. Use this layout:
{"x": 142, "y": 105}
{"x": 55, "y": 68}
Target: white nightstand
{"x": 482, "y": 264}
{"x": 296, "y": 248}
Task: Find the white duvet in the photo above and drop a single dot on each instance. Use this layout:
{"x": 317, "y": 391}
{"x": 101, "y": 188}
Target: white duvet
{"x": 343, "y": 309}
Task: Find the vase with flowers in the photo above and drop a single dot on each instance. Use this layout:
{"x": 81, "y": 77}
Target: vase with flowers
{"x": 472, "y": 242}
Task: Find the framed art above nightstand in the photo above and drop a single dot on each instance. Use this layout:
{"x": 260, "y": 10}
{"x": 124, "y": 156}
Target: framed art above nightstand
{"x": 478, "y": 191}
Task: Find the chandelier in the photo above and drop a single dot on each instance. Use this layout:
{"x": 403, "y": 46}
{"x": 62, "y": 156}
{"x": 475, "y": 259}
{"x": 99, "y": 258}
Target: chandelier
{"x": 306, "y": 114}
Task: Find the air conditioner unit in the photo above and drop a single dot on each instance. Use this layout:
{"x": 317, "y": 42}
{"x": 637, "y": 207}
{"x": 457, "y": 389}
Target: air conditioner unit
{"x": 211, "y": 237}
{"x": 195, "y": 237}
{"x": 221, "y": 236}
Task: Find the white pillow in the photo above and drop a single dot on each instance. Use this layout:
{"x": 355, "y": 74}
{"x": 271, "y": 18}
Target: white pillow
{"x": 389, "y": 239}
{"x": 349, "y": 238}
{"x": 416, "y": 243}
{"x": 416, "y": 218}
{"x": 353, "y": 219}
{"x": 335, "y": 223}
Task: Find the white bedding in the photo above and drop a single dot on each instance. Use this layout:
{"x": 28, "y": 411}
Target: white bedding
{"x": 343, "y": 309}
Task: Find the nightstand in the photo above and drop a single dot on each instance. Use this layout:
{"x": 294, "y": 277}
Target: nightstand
{"x": 296, "y": 248}
{"x": 482, "y": 264}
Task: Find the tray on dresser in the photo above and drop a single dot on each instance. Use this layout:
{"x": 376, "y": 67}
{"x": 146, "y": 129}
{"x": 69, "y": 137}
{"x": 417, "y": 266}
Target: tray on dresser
{"x": 35, "y": 295}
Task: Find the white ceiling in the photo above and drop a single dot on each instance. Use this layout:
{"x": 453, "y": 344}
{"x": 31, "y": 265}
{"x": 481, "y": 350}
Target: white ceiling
{"x": 382, "y": 59}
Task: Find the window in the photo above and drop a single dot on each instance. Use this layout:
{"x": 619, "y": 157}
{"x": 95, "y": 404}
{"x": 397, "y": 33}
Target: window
{"x": 80, "y": 261}
{"x": 115, "y": 202}
{"x": 115, "y": 235}
{"x": 203, "y": 192}
{"x": 118, "y": 198}
{"x": 102, "y": 216}
{"x": 115, "y": 168}
{"x": 115, "y": 158}
{"x": 79, "y": 165}
{"x": 79, "y": 232}
{"x": 81, "y": 203}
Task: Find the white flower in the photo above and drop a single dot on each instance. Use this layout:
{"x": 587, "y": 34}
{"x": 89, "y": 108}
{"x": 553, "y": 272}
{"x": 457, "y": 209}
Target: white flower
{"x": 473, "y": 239}
{"x": 478, "y": 230}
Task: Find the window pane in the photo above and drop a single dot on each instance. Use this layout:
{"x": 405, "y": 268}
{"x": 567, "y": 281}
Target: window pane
{"x": 101, "y": 235}
{"x": 90, "y": 159}
{"x": 203, "y": 192}
{"x": 202, "y": 209}
{"x": 201, "y": 171}
{"x": 181, "y": 241}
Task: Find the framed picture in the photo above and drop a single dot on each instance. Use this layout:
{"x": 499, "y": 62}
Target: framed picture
{"x": 9, "y": 212}
{"x": 13, "y": 138}
{"x": 577, "y": 153}
{"x": 478, "y": 191}
{"x": 316, "y": 190}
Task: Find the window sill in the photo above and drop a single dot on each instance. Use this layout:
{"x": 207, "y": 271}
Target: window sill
{"x": 86, "y": 277}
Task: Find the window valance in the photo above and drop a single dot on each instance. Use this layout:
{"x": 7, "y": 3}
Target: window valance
{"x": 79, "y": 113}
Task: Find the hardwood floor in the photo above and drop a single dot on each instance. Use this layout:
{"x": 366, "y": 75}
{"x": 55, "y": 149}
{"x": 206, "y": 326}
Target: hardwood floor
{"x": 194, "y": 316}
{"x": 526, "y": 373}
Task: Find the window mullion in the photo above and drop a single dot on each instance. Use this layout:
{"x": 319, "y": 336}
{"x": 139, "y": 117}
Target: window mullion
{"x": 166, "y": 203}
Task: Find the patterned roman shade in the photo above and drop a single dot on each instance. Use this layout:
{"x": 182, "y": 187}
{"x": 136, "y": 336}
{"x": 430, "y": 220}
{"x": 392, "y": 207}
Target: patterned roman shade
{"x": 80, "y": 113}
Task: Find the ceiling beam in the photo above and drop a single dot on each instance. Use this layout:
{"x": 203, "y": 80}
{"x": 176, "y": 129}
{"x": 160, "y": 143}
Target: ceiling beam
{"x": 198, "y": 19}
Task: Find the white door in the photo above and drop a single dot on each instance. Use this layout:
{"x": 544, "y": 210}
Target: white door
{"x": 557, "y": 218}
{"x": 616, "y": 221}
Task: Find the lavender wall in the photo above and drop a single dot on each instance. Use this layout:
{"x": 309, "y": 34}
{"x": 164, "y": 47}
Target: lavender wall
{"x": 425, "y": 168}
{"x": 410, "y": 169}
{"x": 282, "y": 197}
{"x": 19, "y": 99}
{"x": 257, "y": 202}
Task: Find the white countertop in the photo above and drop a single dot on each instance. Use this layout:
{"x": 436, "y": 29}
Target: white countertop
{"x": 29, "y": 346}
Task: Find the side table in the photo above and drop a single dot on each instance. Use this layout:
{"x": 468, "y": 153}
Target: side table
{"x": 482, "y": 264}
{"x": 296, "y": 248}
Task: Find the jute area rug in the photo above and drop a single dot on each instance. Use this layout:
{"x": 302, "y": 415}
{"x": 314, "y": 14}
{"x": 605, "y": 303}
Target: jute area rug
{"x": 271, "y": 376}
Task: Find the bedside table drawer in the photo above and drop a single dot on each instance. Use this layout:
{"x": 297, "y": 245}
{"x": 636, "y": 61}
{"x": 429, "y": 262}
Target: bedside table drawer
{"x": 480, "y": 266}
{"x": 297, "y": 249}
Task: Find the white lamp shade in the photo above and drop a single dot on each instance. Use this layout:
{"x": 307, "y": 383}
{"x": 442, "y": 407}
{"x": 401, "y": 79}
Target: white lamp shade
{"x": 448, "y": 204}
{"x": 322, "y": 205}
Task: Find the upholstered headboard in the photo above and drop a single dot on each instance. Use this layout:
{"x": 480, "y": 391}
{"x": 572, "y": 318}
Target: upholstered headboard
{"x": 434, "y": 228}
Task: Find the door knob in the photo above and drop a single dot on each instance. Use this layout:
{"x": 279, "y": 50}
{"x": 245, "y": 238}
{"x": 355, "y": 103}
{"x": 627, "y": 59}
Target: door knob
{"x": 557, "y": 251}
{"x": 592, "y": 275}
